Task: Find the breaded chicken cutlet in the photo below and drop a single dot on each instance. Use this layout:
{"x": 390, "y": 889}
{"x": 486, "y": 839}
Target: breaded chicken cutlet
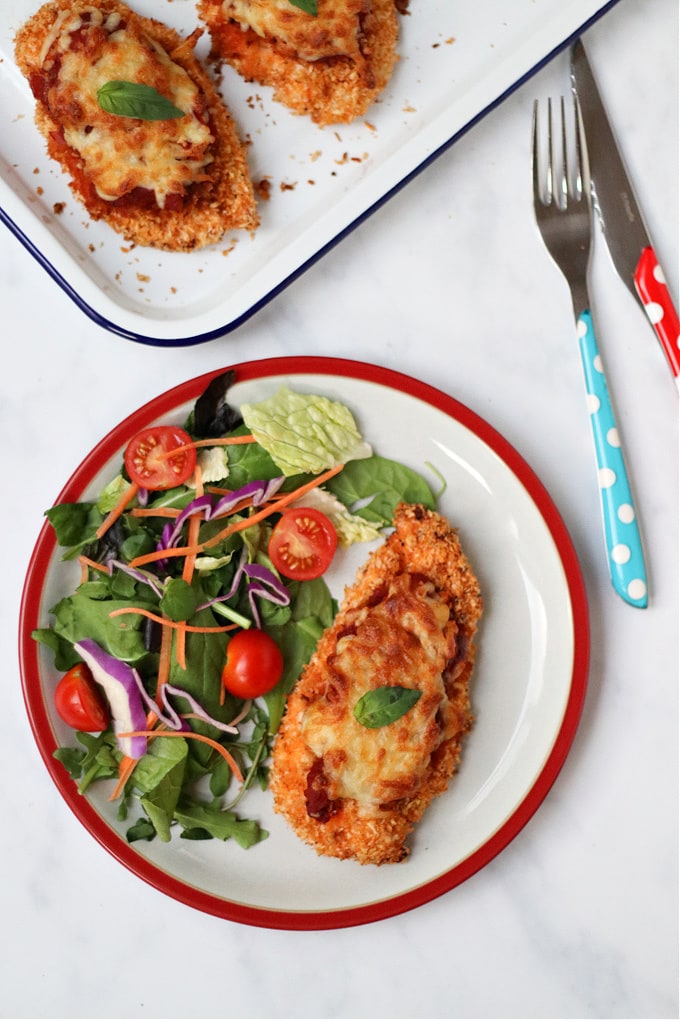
{"x": 133, "y": 118}
{"x": 408, "y": 622}
{"x": 331, "y": 65}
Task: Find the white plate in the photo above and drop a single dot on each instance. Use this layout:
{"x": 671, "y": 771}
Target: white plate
{"x": 458, "y": 60}
{"x": 528, "y": 687}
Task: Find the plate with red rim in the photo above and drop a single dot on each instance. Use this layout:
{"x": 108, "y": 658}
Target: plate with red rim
{"x": 527, "y": 691}
{"x": 457, "y": 62}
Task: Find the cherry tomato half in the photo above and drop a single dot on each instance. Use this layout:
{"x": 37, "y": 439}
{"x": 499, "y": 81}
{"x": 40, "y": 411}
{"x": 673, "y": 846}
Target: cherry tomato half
{"x": 149, "y": 460}
{"x": 254, "y": 664}
{"x": 79, "y": 701}
{"x": 302, "y": 543}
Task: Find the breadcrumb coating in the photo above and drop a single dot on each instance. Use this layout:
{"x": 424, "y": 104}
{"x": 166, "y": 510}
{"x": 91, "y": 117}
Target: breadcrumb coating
{"x": 223, "y": 201}
{"x": 332, "y": 90}
{"x": 409, "y": 619}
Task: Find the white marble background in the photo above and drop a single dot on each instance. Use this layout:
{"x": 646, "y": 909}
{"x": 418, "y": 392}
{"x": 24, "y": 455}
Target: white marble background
{"x": 448, "y": 282}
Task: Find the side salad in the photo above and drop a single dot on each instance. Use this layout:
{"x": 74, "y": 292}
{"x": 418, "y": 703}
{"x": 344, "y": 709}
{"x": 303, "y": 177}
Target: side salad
{"x": 202, "y": 596}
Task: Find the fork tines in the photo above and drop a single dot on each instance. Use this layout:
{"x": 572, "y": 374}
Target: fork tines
{"x": 564, "y": 178}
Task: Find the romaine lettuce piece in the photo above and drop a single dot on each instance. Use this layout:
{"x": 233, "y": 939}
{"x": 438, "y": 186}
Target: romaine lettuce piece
{"x": 350, "y": 527}
{"x": 304, "y": 432}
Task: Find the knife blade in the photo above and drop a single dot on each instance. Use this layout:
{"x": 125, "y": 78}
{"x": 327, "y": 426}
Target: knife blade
{"x": 624, "y": 229}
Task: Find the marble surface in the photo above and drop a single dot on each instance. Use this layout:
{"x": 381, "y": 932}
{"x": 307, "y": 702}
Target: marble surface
{"x": 448, "y": 282}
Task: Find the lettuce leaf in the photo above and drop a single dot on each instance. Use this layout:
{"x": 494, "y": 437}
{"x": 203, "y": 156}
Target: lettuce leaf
{"x": 305, "y": 433}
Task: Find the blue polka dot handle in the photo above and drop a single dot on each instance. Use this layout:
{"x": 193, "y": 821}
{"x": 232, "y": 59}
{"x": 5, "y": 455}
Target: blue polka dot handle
{"x": 622, "y": 537}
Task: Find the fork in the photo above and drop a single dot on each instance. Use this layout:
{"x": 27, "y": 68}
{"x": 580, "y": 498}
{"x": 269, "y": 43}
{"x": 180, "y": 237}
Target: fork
{"x": 564, "y": 216}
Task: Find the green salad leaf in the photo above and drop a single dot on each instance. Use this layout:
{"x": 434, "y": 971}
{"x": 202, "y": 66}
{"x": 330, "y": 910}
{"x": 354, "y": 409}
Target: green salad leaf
{"x": 305, "y": 433}
{"x": 78, "y": 616}
{"x": 183, "y": 785}
{"x": 219, "y": 823}
{"x": 378, "y": 485}
{"x": 75, "y": 524}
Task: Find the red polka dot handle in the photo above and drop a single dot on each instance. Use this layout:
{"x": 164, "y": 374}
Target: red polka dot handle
{"x": 656, "y": 300}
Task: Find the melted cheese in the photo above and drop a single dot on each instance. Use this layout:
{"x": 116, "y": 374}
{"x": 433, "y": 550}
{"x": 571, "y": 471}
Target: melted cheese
{"x": 405, "y": 640}
{"x": 334, "y": 31}
{"x": 121, "y": 153}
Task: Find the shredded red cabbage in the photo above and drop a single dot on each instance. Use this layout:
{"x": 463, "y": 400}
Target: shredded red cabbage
{"x": 138, "y": 575}
{"x": 171, "y": 717}
{"x": 262, "y": 582}
{"x": 260, "y": 491}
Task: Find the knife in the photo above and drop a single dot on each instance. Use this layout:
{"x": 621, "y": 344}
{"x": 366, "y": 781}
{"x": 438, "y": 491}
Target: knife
{"x": 614, "y": 199}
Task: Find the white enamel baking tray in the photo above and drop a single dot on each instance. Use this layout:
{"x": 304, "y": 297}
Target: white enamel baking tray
{"x": 458, "y": 60}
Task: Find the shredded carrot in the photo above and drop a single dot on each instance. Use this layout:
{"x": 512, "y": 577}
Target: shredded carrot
{"x": 224, "y": 441}
{"x": 125, "y": 770}
{"x": 113, "y": 515}
{"x": 127, "y": 765}
{"x": 172, "y": 512}
{"x": 165, "y": 622}
{"x": 191, "y": 735}
{"x": 180, "y": 647}
{"x": 86, "y": 563}
{"x": 164, "y": 661}
{"x": 155, "y": 511}
{"x": 188, "y": 571}
{"x": 151, "y": 719}
{"x": 193, "y": 530}
{"x": 247, "y": 522}
{"x": 217, "y": 491}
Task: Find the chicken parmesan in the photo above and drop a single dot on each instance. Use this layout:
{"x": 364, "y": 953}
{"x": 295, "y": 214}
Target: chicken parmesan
{"x": 331, "y": 65}
{"x": 131, "y": 115}
{"x": 352, "y": 771}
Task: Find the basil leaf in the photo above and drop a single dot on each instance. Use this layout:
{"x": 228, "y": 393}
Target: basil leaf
{"x": 384, "y": 705}
{"x": 132, "y": 99}
{"x": 308, "y": 6}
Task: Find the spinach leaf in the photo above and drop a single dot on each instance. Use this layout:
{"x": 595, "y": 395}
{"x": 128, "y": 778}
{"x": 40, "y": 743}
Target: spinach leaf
{"x": 160, "y": 802}
{"x": 297, "y": 642}
{"x": 382, "y": 483}
{"x": 312, "y": 609}
{"x": 163, "y": 756}
{"x": 205, "y": 658}
{"x": 78, "y": 617}
{"x": 384, "y": 705}
{"x": 248, "y": 462}
{"x": 96, "y": 590}
{"x": 75, "y": 524}
{"x": 308, "y": 6}
{"x": 64, "y": 655}
{"x": 180, "y": 600}
{"x": 312, "y": 598}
